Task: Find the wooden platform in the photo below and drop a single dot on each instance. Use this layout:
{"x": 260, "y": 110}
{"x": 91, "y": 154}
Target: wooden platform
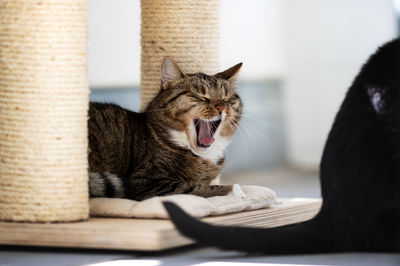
{"x": 144, "y": 234}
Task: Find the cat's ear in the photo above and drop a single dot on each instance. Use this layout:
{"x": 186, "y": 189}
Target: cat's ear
{"x": 170, "y": 71}
{"x": 230, "y": 73}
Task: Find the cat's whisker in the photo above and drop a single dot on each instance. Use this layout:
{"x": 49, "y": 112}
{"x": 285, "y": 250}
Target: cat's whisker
{"x": 254, "y": 141}
{"x": 252, "y": 138}
{"x": 262, "y": 122}
{"x": 242, "y": 138}
{"x": 262, "y": 137}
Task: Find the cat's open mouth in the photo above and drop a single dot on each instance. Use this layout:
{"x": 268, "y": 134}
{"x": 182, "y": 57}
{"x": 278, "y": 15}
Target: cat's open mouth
{"x": 205, "y": 131}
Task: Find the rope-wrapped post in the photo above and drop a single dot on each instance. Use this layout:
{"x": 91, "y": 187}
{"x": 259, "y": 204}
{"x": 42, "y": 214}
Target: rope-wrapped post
{"x": 43, "y": 110}
{"x": 188, "y": 31}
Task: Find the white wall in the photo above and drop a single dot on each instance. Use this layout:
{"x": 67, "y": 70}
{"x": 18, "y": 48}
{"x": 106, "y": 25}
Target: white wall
{"x": 251, "y": 32}
{"x": 114, "y": 43}
{"x": 325, "y": 44}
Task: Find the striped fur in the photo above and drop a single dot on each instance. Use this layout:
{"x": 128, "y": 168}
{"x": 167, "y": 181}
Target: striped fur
{"x": 106, "y": 184}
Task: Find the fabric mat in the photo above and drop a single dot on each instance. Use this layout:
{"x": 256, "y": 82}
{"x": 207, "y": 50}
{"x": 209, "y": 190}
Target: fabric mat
{"x": 242, "y": 198}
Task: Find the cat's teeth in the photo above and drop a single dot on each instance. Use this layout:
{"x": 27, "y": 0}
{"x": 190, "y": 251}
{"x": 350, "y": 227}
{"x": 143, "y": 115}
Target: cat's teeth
{"x": 223, "y": 116}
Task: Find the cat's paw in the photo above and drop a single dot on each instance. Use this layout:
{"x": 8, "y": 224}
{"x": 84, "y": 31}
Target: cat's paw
{"x": 237, "y": 191}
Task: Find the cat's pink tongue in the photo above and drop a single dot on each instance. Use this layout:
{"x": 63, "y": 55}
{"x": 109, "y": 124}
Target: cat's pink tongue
{"x": 206, "y": 141}
{"x": 204, "y": 137}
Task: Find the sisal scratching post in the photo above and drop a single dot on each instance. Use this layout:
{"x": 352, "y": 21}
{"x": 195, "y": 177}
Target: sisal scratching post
{"x": 43, "y": 110}
{"x": 188, "y": 31}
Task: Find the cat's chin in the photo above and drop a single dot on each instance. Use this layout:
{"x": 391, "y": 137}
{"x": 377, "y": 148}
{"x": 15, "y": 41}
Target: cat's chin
{"x": 202, "y": 149}
{"x": 214, "y": 152}
{"x": 199, "y": 150}
{"x": 206, "y": 152}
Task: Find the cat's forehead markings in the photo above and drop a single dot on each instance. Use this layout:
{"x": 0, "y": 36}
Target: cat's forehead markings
{"x": 224, "y": 88}
{"x": 224, "y": 92}
{"x": 207, "y": 91}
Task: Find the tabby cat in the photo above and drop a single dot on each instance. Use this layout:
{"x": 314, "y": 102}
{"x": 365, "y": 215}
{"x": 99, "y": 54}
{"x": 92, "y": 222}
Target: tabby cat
{"x": 359, "y": 172}
{"x": 175, "y": 146}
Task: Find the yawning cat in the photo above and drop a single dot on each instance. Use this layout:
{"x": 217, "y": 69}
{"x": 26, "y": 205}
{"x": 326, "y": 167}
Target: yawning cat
{"x": 175, "y": 146}
{"x": 359, "y": 172}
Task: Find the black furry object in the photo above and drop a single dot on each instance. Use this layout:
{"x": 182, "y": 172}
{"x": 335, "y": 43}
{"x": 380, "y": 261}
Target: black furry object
{"x": 359, "y": 174}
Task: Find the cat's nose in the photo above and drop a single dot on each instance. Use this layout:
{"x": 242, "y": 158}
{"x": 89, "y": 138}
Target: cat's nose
{"x": 220, "y": 107}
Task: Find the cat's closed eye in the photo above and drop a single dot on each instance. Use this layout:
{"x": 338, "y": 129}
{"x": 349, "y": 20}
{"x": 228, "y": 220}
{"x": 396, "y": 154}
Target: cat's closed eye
{"x": 207, "y": 100}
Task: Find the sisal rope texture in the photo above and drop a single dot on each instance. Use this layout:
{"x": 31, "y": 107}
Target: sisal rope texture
{"x": 43, "y": 110}
{"x": 188, "y": 31}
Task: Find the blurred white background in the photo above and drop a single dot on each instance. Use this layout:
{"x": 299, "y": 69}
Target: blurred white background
{"x": 299, "y": 58}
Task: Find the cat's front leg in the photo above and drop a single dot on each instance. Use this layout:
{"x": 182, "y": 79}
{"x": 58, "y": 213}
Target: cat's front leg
{"x": 204, "y": 190}
{"x": 144, "y": 188}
